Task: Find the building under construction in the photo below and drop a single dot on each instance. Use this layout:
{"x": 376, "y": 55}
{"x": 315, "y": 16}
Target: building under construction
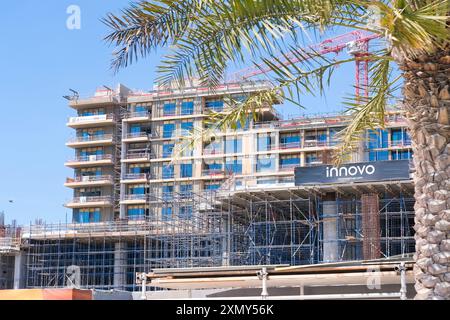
{"x": 249, "y": 196}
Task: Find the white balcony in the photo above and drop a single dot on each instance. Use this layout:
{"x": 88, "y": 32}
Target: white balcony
{"x": 92, "y": 160}
{"x": 89, "y": 181}
{"x": 134, "y": 199}
{"x": 137, "y": 116}
{"x": 135, "y": 178}
{"x": 95, "y": 140}
{"x": 137, "y": 157}
{"x": 137, "y": 137}
{"x": 89, "y": 121}
{"x": 90, "y": 202}
{"x": 98, "y": 100}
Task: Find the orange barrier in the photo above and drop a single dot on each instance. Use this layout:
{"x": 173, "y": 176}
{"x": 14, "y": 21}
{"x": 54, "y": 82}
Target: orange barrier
{"x": 46, "y": 294}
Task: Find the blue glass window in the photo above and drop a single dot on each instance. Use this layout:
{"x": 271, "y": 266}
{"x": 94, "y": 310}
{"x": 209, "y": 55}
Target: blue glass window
{"x": 186, "y": 170}
{"x": 290, "y": 141}
{"x": 400, "y": 155}
{"x": 213, "y": 167}
{"x": 186, "y": 190}
{"x": 167, "y": 192}
{"x": 169, "y": 109}
{"x": 322, "y": 137}
{"x": 265, "y": 164}
{"x": 264, "y": 142}
{"x": 396, "y": 137}
{"x": 377, "y": 139}
{"x": 246, "y": 125}
{"x": 214, "y": 105}
{"x": 167, "y": 171}
{"x": 140, "y": 189}
{"x": 83, "y": 217}
{"x": 291, "y": 161}
{"x": 91, "y": 152}
{"x": 406, "y": 138}
{"x": 91, "y": 172}
{"x": 378, "y": 155}
{"x": 92, "y": 112}
{"x": 168, "y": 129}
{"x": 233, "y": 145}
{"x": 136, "y": 212}
{"x": 212, "y": 187}
{"x": 87, "y": 216}
{"x": 135, "y": 128}
{"x": 312, "y": 158}
{"x": 95, "y": 216}
{"x": 186, "y": 127}
{"x": 187, "y": 107}
{"x": 140, "y": 108}
{"x": 136, "y": 169}
{"x": 185, "y": 212}
{"x": 168, "y": 150}
{"x": 234, "y": 166}
{"x": 166, "y": 213}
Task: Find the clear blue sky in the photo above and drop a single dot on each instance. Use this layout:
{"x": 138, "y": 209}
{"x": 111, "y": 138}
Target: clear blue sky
{"x": 40, "y": 59}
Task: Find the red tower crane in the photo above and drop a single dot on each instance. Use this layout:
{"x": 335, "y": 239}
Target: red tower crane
{"x": 356, "y": 43}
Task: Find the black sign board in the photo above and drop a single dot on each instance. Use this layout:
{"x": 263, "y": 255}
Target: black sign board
{"x": 353, "y": 172}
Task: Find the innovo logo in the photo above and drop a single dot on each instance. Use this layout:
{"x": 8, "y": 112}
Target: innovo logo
{"x": 350, "y": 171}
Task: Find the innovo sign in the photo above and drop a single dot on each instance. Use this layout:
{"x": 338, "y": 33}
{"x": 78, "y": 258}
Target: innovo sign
{"x": 353, "y": 172}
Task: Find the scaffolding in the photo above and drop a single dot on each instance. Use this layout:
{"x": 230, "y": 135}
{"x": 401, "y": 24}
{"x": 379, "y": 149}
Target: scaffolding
{"x": 219, "y": 228}
{"x": 9, "y": 247}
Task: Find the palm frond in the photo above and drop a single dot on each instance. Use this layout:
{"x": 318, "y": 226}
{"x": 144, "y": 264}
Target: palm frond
{"x": 367, "y": 112}
{"x": 145, "y": 26}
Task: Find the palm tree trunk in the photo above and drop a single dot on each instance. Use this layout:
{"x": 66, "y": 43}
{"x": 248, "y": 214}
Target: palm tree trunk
{"x": 427, "y": 106}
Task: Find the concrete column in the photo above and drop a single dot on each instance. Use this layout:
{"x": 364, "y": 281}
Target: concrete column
{"x": 120, "y": 261}
{"x": 19, "y": 270}
{"x": 330, "y": 229}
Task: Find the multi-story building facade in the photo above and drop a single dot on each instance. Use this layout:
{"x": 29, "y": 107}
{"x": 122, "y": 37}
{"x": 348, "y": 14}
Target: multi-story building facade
{"x": 125, "y": 163}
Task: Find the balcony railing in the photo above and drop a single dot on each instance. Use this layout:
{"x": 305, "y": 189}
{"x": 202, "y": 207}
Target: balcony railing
{"x": 315, "y": 143}
{"x": 91, "y": 138}
{"x": 138, "y": 114}
{"x": 135, "y": 197}
{"x": 399, "y": 143}
{"x": 138, "y": 155}
{"x": 135, "y": 176}
{"x": 290, "y": 145}
{"x": 212, "y": 172}
{"x": 92, "y": 158}
{"x": 89, "y": 179}
{"x": 87, "y": 119}
{"x": 133, "y": 135}
{"x": 167, "y": 175}
{"x": 186, "y": 112}
{"x": 289, "y": 167}
{"x": 107, "y": 199}
{"x": 267, "y": 147}
{"x": 214, "y": 108}
{"x": 209, "y": 151}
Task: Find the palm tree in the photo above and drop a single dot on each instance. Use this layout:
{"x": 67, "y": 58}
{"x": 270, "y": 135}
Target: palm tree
{"x": 205, "y": 36}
